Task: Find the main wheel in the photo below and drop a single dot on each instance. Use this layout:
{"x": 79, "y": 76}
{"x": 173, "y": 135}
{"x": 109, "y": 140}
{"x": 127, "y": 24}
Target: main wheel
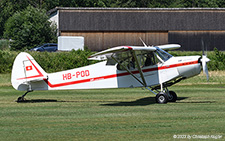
{"x": 161, "y": 98}
{"x": 172, "y": 96}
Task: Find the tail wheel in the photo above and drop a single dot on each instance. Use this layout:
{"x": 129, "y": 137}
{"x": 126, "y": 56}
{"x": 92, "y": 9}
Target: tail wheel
{"x": 21, "y": 99}
{"x": 172, "y": 96}
{"x": 161, "y": 98}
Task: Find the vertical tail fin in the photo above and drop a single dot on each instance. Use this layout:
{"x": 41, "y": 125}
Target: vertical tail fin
{"x": 25, "y": 70}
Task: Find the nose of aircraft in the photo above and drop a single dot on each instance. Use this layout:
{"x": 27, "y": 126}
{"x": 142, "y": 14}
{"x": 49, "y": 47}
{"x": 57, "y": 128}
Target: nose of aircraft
{"x": 204, "y": 61}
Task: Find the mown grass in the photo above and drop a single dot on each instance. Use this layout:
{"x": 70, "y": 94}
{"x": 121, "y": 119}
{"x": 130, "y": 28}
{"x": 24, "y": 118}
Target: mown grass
{"x": 114, "y": 114}
{"x": 5, "y": 79}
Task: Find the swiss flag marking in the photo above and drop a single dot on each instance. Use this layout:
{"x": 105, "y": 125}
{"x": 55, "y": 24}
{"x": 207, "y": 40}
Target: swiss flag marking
{"x": 28, "y": 68}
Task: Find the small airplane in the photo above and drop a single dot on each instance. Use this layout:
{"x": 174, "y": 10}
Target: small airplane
{"x": 145, "y": 66}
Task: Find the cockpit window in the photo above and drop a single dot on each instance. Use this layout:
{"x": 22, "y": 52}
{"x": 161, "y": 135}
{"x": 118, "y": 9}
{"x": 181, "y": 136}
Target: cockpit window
{"x": 125, "y": 59}
{"x": 163, "y": 54}
{"x": 145, "y": 58}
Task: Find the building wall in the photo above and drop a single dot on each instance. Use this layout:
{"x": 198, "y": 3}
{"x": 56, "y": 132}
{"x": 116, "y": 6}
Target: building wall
{"x": 108, "y": 27}
{"x": 54, "y": 18}
{"x": 102, "y": 40}
{"x": 192, "y": 40}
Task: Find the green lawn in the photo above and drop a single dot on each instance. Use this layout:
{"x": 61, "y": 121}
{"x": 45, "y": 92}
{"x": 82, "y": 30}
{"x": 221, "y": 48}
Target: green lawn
{"x": 114, "y": 114}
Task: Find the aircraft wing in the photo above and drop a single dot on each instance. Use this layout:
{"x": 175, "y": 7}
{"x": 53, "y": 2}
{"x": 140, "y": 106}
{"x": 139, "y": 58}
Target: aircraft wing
{"x": 169, "y": 46}
{"x": 102, "y": 55}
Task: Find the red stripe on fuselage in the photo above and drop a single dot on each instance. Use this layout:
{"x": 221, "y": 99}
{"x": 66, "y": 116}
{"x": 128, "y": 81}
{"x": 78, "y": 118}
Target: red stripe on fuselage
{"x": 117, "y": 75}
{"x": 79, "y": 81}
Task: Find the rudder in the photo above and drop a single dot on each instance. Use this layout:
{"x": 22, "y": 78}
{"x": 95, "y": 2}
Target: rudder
{"x": 26, "y": 70}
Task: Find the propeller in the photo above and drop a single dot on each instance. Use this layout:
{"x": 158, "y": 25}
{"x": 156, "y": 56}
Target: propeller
{"x": 204, "y": 61}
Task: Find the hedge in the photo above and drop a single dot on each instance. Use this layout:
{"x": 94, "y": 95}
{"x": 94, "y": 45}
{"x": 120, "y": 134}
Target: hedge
{"x": 49, "y": 61}
{"x": 58, "y": 61}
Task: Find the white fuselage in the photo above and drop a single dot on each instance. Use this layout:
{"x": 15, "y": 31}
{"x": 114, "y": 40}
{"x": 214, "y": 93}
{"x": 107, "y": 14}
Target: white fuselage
{"x": 100, "y": 75}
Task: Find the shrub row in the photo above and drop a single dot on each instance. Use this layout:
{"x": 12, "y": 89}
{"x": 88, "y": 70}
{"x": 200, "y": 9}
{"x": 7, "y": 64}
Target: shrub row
{"x": 50, "y": 62}
{"x": 58, "y": 61}
{"x": 6, "y": 61}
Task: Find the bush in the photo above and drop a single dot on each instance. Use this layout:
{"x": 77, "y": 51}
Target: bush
{"x": 58, "y": 61}
{"x": 217, "y": 60}
{"x": 49, "y": 61}
{"x": 6, "y": 60}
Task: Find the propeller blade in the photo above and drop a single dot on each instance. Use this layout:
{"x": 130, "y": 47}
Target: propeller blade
{"x": 203, "y": 49}
{"x": 204, "y": 61}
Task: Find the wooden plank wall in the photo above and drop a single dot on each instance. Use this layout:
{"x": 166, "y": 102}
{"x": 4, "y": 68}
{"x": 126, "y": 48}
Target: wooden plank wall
{"x": 192, "y": 40}
{"x": 98, "y": 41}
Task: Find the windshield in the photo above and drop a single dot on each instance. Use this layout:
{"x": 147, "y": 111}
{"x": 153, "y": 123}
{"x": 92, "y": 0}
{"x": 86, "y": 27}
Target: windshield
{"x": 163, "y": 54}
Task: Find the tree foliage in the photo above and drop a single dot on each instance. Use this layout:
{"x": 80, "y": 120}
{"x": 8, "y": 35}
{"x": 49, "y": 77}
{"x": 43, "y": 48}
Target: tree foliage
{"x": 8, "y": 8}
{"x": 29, "y": 28}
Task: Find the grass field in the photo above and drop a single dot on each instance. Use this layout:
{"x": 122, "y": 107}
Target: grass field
{"x": 115, "y": 114}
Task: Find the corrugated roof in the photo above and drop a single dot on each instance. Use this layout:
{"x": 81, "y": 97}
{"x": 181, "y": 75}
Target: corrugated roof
{"x": 135, "y": 9}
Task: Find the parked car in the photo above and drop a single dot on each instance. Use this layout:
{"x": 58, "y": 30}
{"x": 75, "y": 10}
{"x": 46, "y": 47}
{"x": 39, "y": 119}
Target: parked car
{"x": 50, "y": 47}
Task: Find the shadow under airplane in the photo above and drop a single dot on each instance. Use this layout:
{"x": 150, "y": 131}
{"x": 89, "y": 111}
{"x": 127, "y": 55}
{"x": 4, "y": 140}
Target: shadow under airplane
{"x": 39, "y": 101}
{"x": 139, "y": 102}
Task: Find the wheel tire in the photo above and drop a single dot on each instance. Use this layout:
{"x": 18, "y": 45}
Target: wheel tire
{"x": 161, "y": 98}
{"x": 172, "y": 97}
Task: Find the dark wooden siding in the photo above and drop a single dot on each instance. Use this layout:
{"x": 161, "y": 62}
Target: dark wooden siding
{"x": 102, "y": 40}
{"x": 142, "y": 20}
{"x": 192, "y": 40}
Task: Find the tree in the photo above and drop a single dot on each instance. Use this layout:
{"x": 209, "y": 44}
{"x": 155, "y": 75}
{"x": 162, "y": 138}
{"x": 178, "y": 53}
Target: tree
{"x": 8, "y": 8}
{"x": 29, "y": 28}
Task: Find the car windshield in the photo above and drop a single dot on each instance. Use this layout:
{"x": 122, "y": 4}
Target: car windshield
{"x": 40, "y": 45}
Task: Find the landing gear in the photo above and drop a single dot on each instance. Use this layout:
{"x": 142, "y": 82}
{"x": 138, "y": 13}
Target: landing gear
{"x": 161, "y": 98}
{"x": 22, "y": 99}
{"x": 164, "y": 95}
{"x": 172, "y": 96}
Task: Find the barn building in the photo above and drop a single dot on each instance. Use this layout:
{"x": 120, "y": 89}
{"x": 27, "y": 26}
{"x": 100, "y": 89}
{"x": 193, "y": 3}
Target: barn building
{"x": 103, "y": 28}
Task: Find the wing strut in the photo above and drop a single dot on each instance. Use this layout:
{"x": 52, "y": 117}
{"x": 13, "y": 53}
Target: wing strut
{"x": 139, "y": 68}
{"x": 143, "y": 82}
